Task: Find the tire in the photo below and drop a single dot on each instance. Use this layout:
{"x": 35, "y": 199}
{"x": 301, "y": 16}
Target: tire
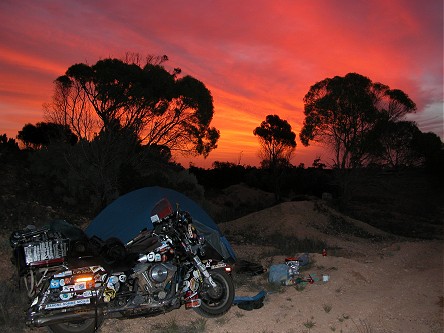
{"x": 216, "y": 301}
{"x": 83, "y": 326}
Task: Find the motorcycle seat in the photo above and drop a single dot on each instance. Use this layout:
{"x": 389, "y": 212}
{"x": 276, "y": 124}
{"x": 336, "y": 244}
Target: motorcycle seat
{"x": 123, "y": 265}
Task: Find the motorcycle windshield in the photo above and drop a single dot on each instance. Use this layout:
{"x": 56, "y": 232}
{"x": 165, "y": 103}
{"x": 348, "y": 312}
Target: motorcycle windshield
{"x": 161, "y": 210}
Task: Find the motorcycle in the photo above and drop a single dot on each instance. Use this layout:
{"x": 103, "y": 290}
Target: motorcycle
{"x": 157, "y": 271}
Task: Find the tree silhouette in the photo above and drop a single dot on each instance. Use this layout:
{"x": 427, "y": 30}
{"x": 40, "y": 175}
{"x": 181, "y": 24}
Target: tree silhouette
{"x": 276, "y": 139}
{"x": 277, "y": 142}
{"x": 70, "y": 106}
{"x": 160, "y": 107}
{"x": 8, "y": 146}
{"x": 431, "y": 148}
{"x": 43, "y": 134}
{"x": 341, "y": 112}
{"x": 131, "y": 117}
{"x": 393, "y": 144}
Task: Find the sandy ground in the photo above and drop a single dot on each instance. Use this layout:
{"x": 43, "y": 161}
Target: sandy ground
{"x": 395, "y": 290}
{"x": 384, "y": 286}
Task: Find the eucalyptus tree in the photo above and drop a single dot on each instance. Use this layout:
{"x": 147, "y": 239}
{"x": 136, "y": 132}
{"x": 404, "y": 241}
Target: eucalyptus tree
{"x": 132, "y": 117}
{"x": 276, "y": 139}
{"x": 341, "y": 112}
{"x": 158, "y": 106}
{"x": 278, "y": 143}
{"x": 43, "y": 134}
{"x": 394, "y": 144}
{"x": 69, "y": 106}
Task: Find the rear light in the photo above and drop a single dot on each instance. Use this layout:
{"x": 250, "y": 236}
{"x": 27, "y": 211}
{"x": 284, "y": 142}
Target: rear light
{"x": 48, "y": 262}
{"x": 83, "y": 278}
{"x": 228, "y": 269}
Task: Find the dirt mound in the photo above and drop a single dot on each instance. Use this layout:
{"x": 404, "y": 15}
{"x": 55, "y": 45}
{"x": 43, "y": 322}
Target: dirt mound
{"x": 305, "y": 220}
{"x": 237, "y": 200}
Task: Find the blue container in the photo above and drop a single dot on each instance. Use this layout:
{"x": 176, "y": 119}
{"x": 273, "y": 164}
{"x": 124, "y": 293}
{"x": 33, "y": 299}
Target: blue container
{"x": 278, "y": 274}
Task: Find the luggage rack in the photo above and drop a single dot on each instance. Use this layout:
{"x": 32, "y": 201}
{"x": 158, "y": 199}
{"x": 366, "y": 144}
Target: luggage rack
{"x": 36, "y": 252}
{"x": 45, "y": 253}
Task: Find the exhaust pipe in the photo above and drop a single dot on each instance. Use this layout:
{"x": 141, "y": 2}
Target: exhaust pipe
{"x": 58, "y": 318}
{"x": 36, "y": 319}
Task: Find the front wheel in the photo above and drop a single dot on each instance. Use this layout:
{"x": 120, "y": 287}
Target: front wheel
{"x": 216, "y": 301}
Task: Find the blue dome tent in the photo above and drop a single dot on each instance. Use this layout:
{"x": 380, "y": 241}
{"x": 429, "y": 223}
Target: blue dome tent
{"x": 125, "y": 217}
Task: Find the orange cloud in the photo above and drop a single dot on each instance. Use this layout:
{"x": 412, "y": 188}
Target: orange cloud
{"x": 12, "y": 58}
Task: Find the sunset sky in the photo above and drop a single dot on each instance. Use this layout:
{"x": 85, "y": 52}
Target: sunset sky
{"x": 256, "y": 57}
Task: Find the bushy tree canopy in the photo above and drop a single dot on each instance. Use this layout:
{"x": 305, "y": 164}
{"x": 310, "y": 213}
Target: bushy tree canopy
{"x": 392, "y": 144}
{"x": 341, "y": 112}
{"x": 277, "y": 140}
{"x": 130, "y": 117}
{"x": 42, "y": 134}
{"x": 160, "y": 107}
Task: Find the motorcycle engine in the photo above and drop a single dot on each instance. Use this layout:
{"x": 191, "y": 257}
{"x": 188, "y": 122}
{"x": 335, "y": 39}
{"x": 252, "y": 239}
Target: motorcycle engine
{"x": 154, "y": 278}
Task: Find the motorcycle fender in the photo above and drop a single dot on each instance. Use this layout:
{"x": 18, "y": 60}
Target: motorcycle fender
{"x": 219, "y": 265}
{"x": 222, "y": 266}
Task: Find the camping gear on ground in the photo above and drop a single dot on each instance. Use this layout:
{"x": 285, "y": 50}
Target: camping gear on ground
{"x": 304, "y": 280}
{"x": 278, "y": 274}
{"x": 287, "y": 274}
{"x": 154, "y": 271}
{"x": 304, "y": 259}
{"x": 249, "y": 303}
{"x": 293, "y": 267}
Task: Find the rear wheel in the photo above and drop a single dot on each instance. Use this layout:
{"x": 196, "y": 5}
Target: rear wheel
{"x": 81, "y": 326}
{"x": 216, "y": 301}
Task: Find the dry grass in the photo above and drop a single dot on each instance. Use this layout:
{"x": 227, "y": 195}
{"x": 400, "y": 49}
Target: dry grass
{"x": 13, "y": 304}
{"x": 174, "y": 326}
